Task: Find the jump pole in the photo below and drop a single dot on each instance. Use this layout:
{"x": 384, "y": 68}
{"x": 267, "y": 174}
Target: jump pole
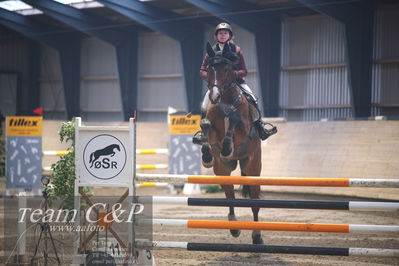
{"x": 138, "y": 166}
{"x": 269, "y": 181}
{"x": 151, "y": 166}
{"x": 152, "y": 151}
{"x": 274, "y": 226}
{"x": 262, "y": 203}
{"x": 152, "y": 184}
{"x": 303, "y": 250}
{"x": 138, "y": 151}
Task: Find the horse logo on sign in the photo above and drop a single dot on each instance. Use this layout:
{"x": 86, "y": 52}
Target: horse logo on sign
{"x": 109, "y": 150}
{"x": 104, "y": 156}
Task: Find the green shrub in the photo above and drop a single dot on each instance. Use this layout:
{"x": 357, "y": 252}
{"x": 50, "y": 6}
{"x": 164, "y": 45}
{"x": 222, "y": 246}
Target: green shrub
{"x": 63, "y": 177}
{"x": 213, "y": 189}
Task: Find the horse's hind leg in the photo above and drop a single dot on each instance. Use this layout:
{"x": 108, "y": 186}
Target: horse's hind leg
{"x": 229, "y": 192}
{"x": 254, "y": 192}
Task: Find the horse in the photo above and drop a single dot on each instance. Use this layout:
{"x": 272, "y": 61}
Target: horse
{"x": 229, "y": 132}
{"x": 109, "y": 150}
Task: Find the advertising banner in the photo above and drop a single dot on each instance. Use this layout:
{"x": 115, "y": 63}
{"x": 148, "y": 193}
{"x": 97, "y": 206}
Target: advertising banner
{"x": 184, "y": 156}
{"x": 24, "y": 152}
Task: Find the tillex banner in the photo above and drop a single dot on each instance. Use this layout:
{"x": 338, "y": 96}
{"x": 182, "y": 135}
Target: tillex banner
{"x": 24, "y": 126}
{"x": 183, "y": 125}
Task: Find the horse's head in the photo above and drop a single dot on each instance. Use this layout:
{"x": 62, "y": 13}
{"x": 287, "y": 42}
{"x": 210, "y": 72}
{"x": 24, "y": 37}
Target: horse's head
{"x": 221, "y": 76}
{"x": 116, "y": 146}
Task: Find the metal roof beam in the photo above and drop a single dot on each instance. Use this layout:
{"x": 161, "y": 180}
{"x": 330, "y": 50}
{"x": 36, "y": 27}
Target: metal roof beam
{"x": 188, "y": 32}
{"x": 358, "y": 18}
{"x": 37, "y": 31}
{"x": 339, "y": 9}
{"x": 164, "y": 21}
{"x": 110, "y": 32}
{"x": 66, "y": 43}
{"x": 242, "y": 13}
{"x": 99, "y": 27}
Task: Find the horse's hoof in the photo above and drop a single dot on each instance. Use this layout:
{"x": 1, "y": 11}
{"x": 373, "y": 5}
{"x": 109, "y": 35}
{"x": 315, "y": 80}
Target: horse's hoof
{"x": 226, "y": 155}
{"x": 226, "y": 151}
{"x": 207, "y": 165}
{"x": 235, "y": 233}
{"x": 207, "y": 158}
{"x": 206, "y": 148}
{"x": 225, "y": 159}
{"x": 257, "y": 238}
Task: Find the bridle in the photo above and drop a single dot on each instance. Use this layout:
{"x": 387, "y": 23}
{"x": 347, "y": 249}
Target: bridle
{"x": 216, "y": 60}
{"x": 233, "y": 107}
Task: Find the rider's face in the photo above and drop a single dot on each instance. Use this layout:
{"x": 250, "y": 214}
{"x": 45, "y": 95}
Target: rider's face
{"x": 223, "y": 36}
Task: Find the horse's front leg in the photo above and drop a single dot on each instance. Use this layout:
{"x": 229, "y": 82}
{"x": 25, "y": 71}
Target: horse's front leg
{"x": 207, "y": 157}
{"x": 227, "y": 144}
{"x": 229, "y": 192}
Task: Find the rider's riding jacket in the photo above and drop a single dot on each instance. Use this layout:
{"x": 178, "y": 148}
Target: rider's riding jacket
{"x": 240, "y": 69}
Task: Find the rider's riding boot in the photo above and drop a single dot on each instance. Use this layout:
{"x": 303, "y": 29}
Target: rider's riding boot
{"x": 199, "y": 137}
{"x": 260, "y": 126}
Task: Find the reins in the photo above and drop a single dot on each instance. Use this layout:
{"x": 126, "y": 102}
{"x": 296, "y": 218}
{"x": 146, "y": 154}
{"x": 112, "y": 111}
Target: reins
{"x": 233, "y": 107}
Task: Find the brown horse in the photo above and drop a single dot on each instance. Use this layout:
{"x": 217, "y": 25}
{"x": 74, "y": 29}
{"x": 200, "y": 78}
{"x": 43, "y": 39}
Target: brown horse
{"x": 228, "y": 127}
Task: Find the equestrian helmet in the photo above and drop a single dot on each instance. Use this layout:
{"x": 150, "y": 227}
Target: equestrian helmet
{"x": 224, "y": 26}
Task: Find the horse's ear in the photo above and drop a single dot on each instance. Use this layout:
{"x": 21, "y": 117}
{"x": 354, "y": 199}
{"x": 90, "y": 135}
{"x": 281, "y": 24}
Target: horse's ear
{"x": 226, "y": 48}
{"x": 210, "y": 50}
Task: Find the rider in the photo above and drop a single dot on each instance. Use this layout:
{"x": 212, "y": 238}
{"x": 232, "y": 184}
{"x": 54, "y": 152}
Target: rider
{"x": 224, "y": 35}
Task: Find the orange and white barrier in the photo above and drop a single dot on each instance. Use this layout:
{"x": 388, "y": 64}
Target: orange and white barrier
{"x": 269, "y": 181}
{"x": 275, "y": 226}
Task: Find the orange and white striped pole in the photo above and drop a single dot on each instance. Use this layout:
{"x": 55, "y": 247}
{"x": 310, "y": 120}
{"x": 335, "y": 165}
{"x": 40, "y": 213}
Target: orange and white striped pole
{"x": 269, "y": 181}
{"x": 274, "y": 226}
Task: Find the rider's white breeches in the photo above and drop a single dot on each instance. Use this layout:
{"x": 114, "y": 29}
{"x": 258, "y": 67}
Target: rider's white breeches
{"x": 247, "y": 90}
{"x": 205, "y": 102}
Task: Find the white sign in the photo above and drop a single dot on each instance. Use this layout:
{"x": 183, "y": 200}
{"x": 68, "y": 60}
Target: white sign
{"x": 104, "y": 155}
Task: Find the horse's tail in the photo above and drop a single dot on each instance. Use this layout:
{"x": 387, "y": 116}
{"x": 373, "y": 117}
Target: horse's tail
{"x": 91, "y": 157}
{"x": 245, "y": 191}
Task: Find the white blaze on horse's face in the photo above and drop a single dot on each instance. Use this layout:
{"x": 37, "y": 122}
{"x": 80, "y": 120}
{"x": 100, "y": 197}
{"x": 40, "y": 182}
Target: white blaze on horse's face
{"x": 214, "y": 89}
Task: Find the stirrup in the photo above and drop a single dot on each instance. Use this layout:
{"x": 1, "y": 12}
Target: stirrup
{"x": 263, "y": 132}
{"x": 199, "y": 138}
